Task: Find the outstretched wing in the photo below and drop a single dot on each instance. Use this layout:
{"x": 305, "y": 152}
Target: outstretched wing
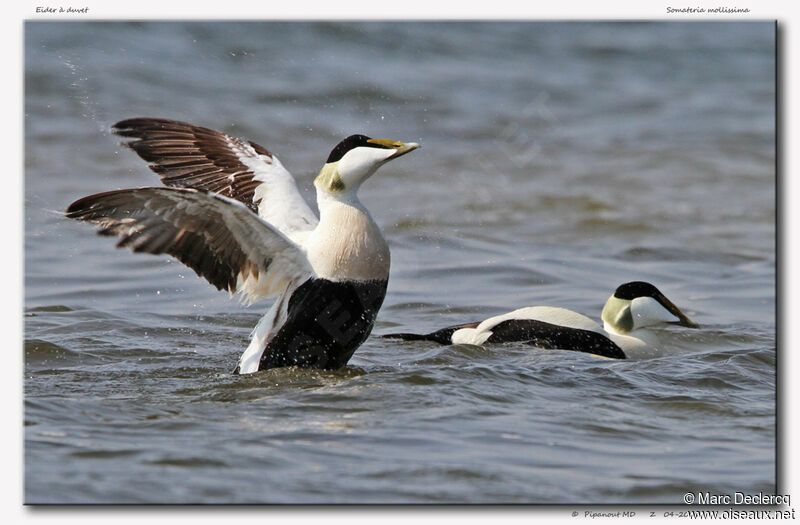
{"x": 188, "y": 156}
{"x": 217, "y": 237}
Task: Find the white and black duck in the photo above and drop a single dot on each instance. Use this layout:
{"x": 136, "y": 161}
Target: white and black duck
{"x": 232, "y": 213}
{"x": 627, "y": 317}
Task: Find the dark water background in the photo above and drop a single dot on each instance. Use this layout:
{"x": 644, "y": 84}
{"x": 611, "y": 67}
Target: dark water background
{"x": 559, "y": 160}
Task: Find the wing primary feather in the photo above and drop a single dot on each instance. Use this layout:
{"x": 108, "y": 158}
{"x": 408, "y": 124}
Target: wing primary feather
{"x": 218, "y": 238}
{"x": 189, "y": 156}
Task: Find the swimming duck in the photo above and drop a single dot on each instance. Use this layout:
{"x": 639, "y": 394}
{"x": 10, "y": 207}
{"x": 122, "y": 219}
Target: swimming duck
{"x": 626, "y": 316}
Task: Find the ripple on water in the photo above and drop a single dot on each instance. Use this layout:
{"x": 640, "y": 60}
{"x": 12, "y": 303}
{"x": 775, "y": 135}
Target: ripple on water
{"x": 31, "y": 312}
{"x": 672, "y": 253}
{"x": 37, "y": 349}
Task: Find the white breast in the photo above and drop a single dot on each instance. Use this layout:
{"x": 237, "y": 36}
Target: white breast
{"x": 347, "y": 245}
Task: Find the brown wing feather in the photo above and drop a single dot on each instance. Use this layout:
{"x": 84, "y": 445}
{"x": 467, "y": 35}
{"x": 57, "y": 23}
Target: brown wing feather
{"x": 219, "y": 239}
{"x": 189, "y": 156}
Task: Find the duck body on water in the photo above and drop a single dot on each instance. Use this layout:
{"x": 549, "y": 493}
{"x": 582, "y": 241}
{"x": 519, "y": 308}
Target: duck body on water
{"x": 629, "y": 312}
{"x": 231, "y": 212}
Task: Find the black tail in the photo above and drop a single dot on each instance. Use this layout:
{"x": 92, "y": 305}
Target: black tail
{"x": 407, "y": 337}
{"x": 443, "y": 336}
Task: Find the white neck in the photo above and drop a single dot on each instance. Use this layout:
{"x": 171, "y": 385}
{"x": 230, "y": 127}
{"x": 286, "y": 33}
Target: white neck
{"x": 346, "y": 245}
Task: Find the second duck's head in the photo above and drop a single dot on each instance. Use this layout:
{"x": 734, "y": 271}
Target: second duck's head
{"x": 638, "y": 304}
{"x": 355, "y": 158}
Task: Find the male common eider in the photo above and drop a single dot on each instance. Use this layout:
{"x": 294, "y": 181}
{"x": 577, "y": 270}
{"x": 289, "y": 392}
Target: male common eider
{"x": 234, "y": 215}
{"x": 630, "y": 309}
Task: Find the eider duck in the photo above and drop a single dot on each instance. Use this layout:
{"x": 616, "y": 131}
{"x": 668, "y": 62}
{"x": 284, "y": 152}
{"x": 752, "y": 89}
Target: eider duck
{"x": 632, "y": 308}
{"x": 232, "y": 213}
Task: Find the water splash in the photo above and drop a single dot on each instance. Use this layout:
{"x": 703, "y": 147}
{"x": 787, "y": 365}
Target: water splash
{"x": 84, "y": 93}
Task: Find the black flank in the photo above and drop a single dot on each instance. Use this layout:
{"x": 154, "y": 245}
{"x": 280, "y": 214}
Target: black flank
{"x": 554, "y": 337}
{"x": 326, "y": 322}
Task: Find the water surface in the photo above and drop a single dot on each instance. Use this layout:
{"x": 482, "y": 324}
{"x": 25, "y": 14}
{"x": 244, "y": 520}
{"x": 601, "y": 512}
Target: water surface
{"x": 559, "y": 160}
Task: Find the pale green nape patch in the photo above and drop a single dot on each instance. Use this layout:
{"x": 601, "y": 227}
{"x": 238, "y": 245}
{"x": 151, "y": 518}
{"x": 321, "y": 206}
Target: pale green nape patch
{"x": 617, "y": 313}
{"x": 329, "y": 179}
